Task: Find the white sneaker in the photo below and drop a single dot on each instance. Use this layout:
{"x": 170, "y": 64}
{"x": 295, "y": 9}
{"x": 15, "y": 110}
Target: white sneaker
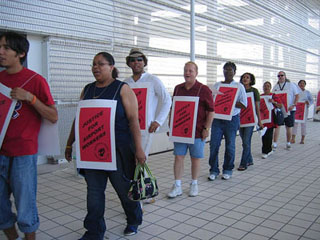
{"x": 211, "y": 177}
{"x": 288, "y": 146}
{"x": 275, "y": 145}
{"x": 175, "y": 191}
{"x": 264, "y": 156}
{"x": 226, "y": 176}
{"x": 270, "y": 153}
{"x": 193, "y": 190}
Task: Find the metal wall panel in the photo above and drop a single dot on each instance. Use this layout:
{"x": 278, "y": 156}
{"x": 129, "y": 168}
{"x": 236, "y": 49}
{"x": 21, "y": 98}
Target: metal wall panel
{"x": 260, "y": 36}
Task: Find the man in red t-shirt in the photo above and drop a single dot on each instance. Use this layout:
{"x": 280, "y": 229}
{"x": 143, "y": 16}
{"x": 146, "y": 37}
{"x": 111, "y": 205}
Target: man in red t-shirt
{"x": 18, "y": 153}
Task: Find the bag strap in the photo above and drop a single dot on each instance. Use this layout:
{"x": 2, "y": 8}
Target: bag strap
{"x": 147, "y": 170}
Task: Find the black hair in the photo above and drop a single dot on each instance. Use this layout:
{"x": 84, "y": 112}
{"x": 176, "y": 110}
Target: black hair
{"x": 252, "y": 78}
{"x": 110, "y": 59}
{"x": 230, "y": 64}
{"x": 17, "y": 42}
{"x": 305, "y": 83}
{"x": 267, "y": 82}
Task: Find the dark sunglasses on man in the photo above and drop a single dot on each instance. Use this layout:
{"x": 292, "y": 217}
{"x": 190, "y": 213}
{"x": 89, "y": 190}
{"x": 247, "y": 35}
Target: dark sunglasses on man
{"x": 139, "y": 59}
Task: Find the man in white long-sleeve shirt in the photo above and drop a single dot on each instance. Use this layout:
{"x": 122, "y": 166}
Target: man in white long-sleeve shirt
{"x": 159, "y": 100}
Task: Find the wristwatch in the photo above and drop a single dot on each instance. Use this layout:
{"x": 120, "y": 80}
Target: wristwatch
{"x": 207, "y": 129}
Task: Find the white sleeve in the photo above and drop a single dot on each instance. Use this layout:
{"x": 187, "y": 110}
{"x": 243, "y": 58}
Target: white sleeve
{"x": 309, "y": 97}
{"x": 242, "y": 95}
{"x": 163, "y": 98}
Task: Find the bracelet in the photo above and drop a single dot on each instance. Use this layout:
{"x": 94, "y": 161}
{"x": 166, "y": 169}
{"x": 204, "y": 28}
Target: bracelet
{"x": 68, "y": 147}
{"x": 34, "y": 99}
{"x": 207, "y": 129}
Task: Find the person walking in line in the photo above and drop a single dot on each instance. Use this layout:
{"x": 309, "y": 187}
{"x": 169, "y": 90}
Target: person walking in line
{"x": 226, "y": 128}
{"x": 191, "y": 87}
{"x": 18, "y": 153}
{"x": 248, "y": 80}
{"x": 282, "y": 85}
{"x": 128, "y": 150}
{"x": 267, "y": 137}
{"x": 305, "y": 96}
{"x": 159, "y": 100}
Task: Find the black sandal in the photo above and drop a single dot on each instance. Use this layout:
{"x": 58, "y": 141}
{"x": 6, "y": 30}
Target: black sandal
{"x": 242, "y": 168}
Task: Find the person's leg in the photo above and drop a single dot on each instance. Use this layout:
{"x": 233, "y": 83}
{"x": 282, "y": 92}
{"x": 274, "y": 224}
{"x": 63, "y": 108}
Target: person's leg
{"x": 215, "y": 142}
{"x": 243, "y": 161}
{"x": 11, "y": 233}
{"x": 268, "y": 140}
{"x": 120, "y": 181}
{"x": 230, "y": 144}
{"x": 7, "y": 217}
{"x": 294, "y": 132}
{"x": 178, "y": 167}
{"x": 196, "y": 153}
{"x": 303, "y": 132}
{"x": 94, "y": 221}
{"x": 23, "y": 181}
{"x": 276, "y": 137}
{"x": 289, "y": 123}
{"x": 288, "y": 133}
{"x": 246, "y": 158}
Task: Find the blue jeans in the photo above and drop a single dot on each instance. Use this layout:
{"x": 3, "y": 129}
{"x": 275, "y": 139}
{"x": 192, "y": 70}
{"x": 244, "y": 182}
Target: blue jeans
{"x": 228, "y": 129}
{"x": 96, "y": 185}
{"x": 22, "y": 183}
{"x": 246, "y": 136}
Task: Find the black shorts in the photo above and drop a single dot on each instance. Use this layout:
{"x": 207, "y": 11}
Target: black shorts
{"x": 289, "y": 121}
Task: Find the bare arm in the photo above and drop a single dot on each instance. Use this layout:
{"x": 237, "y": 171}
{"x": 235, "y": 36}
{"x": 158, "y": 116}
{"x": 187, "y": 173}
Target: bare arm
{"x": 130, "y": 104}
{"x": 240, "y": 105}
{"x": 296, "y": 98}
{"x": 207, "y": 125}
{"x": 257, "y": 106}
{"x": 48, "y": 112}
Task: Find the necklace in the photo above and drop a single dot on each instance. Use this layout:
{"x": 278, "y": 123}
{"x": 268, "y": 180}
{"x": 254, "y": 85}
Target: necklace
{"x": 94, "y": 92}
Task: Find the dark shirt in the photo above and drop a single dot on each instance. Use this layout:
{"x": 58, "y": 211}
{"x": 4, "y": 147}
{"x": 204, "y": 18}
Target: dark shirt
{"x": 122, "y": 129}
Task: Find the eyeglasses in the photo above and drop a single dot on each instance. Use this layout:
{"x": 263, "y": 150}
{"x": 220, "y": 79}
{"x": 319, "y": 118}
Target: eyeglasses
{"x": 280, "y": 75}
{"x": 100, "y": 64}
{"x": 139, "y": 59}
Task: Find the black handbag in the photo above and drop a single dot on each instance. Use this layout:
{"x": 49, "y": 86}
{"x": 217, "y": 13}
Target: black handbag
{"x": 278, "y": 117}
{"x": 144, "y": 184}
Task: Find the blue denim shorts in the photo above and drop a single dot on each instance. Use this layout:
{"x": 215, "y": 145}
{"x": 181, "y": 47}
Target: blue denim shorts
{"x": 196, "y": 150}
{"x": 23, "y": 185}
{"x": 289, "y": 121}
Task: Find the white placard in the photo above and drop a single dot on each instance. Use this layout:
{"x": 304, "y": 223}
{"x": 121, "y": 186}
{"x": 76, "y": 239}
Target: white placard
{"x": 248, "y": 115}
{"x": 223, "y": 103}
{"x": 141, "y": 91}
{"x": 48, "y": 138}
{"x": 7, "y": 105}
{"x": 95, "y": 134}
{"x": 183, "y": 119}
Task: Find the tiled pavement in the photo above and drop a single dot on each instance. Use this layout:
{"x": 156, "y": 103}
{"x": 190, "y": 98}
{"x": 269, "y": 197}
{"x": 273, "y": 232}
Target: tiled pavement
{"x": 276, "y": 198}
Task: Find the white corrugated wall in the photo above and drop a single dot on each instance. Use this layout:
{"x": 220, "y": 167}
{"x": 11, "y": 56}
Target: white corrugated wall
{"x": 261, "y": 36}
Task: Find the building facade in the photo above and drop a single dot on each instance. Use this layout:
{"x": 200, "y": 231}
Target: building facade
{"x": 261, "y": 37}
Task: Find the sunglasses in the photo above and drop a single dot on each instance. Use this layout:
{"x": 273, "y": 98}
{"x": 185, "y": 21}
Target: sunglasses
{"x": 280, "y": 75}
{"x": 139, "y": 59}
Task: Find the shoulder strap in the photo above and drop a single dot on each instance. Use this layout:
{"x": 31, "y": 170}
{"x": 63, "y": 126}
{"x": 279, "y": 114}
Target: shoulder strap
{"x": 119, "y": 86}
{"x": 28, "y": 80}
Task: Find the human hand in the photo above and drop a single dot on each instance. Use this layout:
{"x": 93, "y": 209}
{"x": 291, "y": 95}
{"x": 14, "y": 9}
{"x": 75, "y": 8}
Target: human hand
{"x": 21, "y": 94}
{"x": 68, "y": 153}
{"x": 205, "y": 134}
{"x": 153, "y": 127}
{"x": 140, "y": 156}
